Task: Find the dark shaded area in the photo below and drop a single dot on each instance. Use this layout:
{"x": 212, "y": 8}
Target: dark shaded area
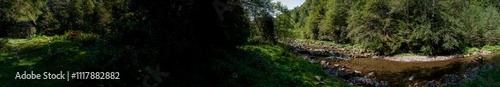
{"x": 179, "y": 35}
{"x": 185, "y": 34}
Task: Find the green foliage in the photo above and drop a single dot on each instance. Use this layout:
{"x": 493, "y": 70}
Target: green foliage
{"x": 89, "y": 38}
{"x": 60, "y": 37}
{"x": 333, "y": 26}
{"x": 74, "y": 35}
{"x": 126, "y": 35}
{"x": 312, "y": 30}
{"x": 282, "y": 23}
{"x": 266, "y": 28}
{"x": 48, "y": 54}
{"x": 491, "y": 48}
{"x": 468, "y": 50}
{"x": 47, "y": 24}
{"x": 3, "y": 42}
{"x": 262, "y": 25}
{"x": 390, "y": 27}
{"x": 269, "y": 65}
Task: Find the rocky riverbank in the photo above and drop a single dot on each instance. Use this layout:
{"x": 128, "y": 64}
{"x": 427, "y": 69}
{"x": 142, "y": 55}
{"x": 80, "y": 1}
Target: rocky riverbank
{"x": 434, "y": 58}
{"x": 446, "y": 75}
{"x": 430, "y": 72}
{"x": 327, "y": 50}
{"x": 315, "y": 48}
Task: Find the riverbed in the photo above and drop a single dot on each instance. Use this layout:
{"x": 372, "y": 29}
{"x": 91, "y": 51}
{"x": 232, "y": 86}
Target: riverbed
{"x": 380, "y": 72}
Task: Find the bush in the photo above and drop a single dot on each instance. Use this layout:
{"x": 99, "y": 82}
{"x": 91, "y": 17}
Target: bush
{"x": 3, "y": 42}
{"x": 89, "y": 38}
{"x": 73, "y": 35}
{"x": 491, "y": 48}
{"x": 468, "y": 50}
{"x": 79, "y": 36}
{"x": 60, "y": 37}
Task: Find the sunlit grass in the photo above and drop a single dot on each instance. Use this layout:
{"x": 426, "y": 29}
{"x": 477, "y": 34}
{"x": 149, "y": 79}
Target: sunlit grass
{"x": 468, "y": 50}
{"x": 49, "y": 54}
{"x": 281, "y": 67}
{"x": 491, "y": 48}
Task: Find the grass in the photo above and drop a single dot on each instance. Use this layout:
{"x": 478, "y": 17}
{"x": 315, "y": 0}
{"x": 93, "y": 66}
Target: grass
{"x": 491, "y": 48}
{"x": 271, "y": 66}
{"x": 468, "y": 50}
{"x": 48, "y": 54}
{"x": 251, "y": 65}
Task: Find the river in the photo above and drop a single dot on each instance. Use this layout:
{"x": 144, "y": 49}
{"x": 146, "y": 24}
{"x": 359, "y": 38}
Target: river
{"x": 383, "y": 71}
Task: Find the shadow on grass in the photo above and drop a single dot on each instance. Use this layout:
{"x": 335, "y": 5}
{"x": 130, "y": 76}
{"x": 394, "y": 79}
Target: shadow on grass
{"x": 55, "y": 57}
{"x": 269, "y": 65}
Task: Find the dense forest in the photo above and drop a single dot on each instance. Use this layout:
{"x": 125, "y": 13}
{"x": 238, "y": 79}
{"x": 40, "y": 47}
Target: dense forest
{"x": 432, "y": 27}
{"x": 226, "y": 42}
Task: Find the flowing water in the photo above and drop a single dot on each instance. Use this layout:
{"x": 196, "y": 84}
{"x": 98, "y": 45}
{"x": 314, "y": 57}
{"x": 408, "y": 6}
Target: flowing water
{"x": 382, "y": 72}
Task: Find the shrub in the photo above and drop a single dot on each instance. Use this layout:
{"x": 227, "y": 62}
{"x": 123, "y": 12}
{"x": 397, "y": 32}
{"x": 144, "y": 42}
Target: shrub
{"x": 84, "y": 38}
{"x": 73, "y": 35}
{"x": 3, "y": 42}
{"x": 468, "y": 50}
{"x": 89, "y": 38}
{"x": 491, "y": 48}
{"x": 60, "y": 37}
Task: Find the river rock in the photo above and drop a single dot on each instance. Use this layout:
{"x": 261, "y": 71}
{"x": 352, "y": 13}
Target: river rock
{"x": 411, "y": 78}
{"x": 370, "y": 74}
{"x": 320, "y": 52}
{"x": 483, "y": 52}
{"x": 336, "y": 65}
{"x": 356, "y": 72}
{"x": 318, "y": 78}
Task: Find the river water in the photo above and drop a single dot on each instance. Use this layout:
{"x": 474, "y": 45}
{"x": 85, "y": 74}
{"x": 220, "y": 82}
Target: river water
{"x": 380, "y": 72}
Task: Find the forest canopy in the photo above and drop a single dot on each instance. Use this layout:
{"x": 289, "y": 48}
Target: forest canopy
{"x": 433, "y": 27}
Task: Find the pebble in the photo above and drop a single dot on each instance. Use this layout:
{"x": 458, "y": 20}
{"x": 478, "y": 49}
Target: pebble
{"x": 357, "y": 72}
{"x": 411, "y": 78}
{"x": 336, "y": 65}
{"x": 318, "y": 78}
{"x": 370, "y": 74}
